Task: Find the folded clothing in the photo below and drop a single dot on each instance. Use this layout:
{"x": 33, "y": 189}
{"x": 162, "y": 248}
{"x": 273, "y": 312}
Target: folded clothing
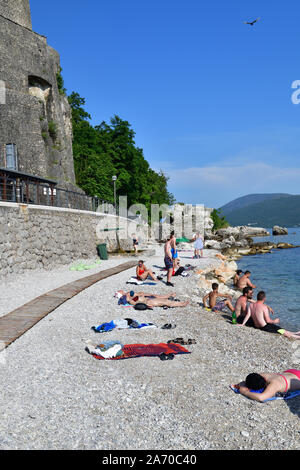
{"x": 140, "y": 350}
{"x": 107, "y": 349}
{"x": 122, "y": 324}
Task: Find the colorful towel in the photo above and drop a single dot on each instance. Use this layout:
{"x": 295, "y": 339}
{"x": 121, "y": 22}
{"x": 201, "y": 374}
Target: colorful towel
{"x": 140, "y": 350}
{"x": 283, "y": 396}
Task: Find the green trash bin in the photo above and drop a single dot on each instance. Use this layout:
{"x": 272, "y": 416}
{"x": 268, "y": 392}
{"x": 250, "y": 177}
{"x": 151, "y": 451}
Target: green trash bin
{"x": 102, "y": 251}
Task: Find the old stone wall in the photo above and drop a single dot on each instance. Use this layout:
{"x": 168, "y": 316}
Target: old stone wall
{"x": 35, "y": 117}
{"x": 17, "y": 11}
{"x": 33, "y": 237}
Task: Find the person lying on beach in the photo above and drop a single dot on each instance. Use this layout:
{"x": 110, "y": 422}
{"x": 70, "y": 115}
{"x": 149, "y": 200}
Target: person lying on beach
{"x": 237, "y": 277}
{"x": 260, "y": 387}
{"x": 244, "y": 281}
{"x": 259, "y": 312}
{"x": 142, "y": 272}
{"x": 221, "y": 304}
{"x": 151, "y": 300}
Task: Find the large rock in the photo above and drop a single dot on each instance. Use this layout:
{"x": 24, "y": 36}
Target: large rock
{"x": 276, "y": 230}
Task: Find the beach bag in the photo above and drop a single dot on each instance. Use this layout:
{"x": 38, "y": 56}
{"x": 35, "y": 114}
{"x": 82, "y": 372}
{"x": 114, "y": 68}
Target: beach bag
{"x": 141, "y": 306}
{"x": 179, "y": 271}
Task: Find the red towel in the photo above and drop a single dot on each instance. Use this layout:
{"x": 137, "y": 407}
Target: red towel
{"x": 139, "y": 350}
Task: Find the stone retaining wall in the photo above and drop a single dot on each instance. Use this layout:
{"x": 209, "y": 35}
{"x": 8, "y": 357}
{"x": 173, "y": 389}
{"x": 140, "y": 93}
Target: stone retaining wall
{"x": 33, "y": 237}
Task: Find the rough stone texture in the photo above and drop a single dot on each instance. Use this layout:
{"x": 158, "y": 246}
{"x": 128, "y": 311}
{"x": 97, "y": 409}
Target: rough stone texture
{"x": 17, "y": 11}
{"x": 35, "y": 116}
{"x": 33, "y": 237}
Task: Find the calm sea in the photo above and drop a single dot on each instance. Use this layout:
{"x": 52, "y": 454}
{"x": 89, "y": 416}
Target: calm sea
{"x": 278, "y": 274}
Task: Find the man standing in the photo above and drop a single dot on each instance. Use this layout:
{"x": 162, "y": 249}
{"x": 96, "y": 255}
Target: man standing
{"x": 168, "y": 261}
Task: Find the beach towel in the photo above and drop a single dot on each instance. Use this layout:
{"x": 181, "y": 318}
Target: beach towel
{"x": 84, "y": 267}
{"x": 279, "y": 396}
{"x": 122, "y": 324}
{"x": 134, "y": 280}
{"x": 142, "y": 350}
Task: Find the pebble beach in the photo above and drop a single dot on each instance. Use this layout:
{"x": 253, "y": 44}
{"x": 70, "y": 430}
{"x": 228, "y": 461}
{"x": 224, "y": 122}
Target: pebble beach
{"x": 57, "y": 396}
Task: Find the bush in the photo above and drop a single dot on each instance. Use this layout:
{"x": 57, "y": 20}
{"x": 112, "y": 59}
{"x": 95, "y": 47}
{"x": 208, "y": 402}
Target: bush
{"x": 218, "y": 220}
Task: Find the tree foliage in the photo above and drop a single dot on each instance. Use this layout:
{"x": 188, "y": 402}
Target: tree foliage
{"x": 218, "y": 220}
{"x": 109, "y": 149}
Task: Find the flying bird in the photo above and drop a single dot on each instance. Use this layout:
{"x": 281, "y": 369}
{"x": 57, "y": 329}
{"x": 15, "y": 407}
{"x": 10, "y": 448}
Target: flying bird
{"x": 252, "y": 22}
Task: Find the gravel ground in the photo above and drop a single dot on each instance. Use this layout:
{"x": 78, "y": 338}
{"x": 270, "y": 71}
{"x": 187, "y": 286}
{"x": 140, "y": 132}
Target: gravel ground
{"x": 57, "y": 396}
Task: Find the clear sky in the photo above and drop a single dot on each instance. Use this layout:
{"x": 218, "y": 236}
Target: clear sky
{"x": 208, "y": 96}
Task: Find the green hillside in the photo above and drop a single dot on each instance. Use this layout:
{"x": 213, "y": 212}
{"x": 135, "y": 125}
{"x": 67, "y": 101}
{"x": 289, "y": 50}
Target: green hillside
{"x": 248, "y": 200}
{"x": 284, "y": 211}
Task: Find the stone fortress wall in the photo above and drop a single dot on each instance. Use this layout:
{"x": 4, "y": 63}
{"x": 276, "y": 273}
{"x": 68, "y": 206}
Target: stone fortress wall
{"x": 36, "y": 117}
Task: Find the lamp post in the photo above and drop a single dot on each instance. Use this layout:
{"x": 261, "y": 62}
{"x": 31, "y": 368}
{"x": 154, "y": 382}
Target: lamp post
{"x": 114, "y": 179}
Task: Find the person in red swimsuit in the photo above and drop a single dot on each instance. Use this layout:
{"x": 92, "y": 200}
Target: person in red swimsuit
{"x": 142, "y": 272}
{"x": 260, "y": 387}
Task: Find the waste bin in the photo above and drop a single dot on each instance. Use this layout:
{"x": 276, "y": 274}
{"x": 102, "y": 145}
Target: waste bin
{"x": 102, "y": 251}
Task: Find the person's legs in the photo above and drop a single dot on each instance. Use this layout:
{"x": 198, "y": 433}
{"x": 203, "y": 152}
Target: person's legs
{"x": 229, "y": 305}
{"x": 165, "y": 303}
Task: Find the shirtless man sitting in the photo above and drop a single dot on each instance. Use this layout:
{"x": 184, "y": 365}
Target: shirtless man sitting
{"x": 241, "y": 306}
{"x": 244, "y": 281}
{"x": 213, "y": 296}
{"x": 260, "y": 387}
{"x": 259, "y": 312}
{"x": 152, "y": 300}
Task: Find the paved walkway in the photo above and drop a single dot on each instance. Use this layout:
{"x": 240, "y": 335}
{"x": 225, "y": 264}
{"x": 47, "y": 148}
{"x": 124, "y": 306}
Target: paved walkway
{"x": 16, "y": 323}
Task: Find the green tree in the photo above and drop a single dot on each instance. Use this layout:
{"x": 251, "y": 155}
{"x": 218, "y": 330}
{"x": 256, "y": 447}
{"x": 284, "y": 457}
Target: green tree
{"x": 218, "y": 220}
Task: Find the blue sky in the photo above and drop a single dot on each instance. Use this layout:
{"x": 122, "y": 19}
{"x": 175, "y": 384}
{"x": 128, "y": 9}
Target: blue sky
{"x": 208, "y": 96}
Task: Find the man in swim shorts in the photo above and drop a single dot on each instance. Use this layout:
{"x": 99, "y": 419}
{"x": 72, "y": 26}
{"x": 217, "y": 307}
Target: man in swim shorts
{"x": 221, "y": 304}
{"x": 168, "y": 261}
{"x": 259, "y": 312}
{"x": 260, "y": 387}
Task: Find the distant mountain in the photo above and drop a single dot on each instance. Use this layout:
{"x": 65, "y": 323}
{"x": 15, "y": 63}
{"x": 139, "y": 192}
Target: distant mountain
{"x": 282, "y": 210}
{"x": 244, "y": 201}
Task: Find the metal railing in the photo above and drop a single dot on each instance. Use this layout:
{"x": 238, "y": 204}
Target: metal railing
{"x": 33, "y": 192}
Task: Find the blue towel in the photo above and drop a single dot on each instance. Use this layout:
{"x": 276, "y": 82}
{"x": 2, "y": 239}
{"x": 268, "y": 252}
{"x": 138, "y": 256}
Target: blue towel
{"x": 284, "y": 396}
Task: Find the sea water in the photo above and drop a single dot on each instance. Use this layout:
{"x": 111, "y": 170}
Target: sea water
{"x": 278, "y": 274}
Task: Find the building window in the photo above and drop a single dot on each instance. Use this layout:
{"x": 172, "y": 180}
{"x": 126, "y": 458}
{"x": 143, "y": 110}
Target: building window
{"x": 11, "y": 157}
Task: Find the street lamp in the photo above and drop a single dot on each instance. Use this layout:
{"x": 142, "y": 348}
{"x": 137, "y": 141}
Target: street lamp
{"x": 114, "y": 179}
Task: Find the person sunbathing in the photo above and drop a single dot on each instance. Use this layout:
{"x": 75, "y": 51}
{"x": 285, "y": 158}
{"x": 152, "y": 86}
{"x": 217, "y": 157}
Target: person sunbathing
{"x": 151, "y": 300}
{"x": 221, "y": 304}
{"x": 261, "y": 387}
{"x": 142, "y": 272}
